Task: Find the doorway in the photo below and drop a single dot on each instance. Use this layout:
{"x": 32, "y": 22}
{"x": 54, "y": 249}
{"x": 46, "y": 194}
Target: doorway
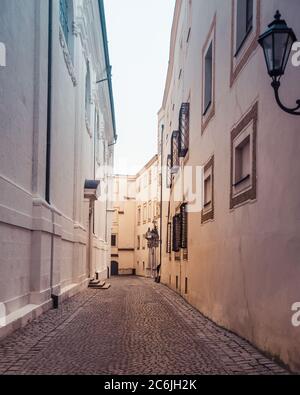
{"x": 114, "y": 268}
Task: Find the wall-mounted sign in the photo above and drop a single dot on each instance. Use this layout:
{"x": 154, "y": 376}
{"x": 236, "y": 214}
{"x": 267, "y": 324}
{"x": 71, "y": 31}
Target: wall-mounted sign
{"x": 2, "y": 55}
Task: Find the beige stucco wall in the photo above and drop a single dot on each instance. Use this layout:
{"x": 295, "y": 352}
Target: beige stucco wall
{"x": 243, "y": 269}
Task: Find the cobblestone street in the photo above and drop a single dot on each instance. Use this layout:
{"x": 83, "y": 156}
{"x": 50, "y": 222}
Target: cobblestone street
{"x": 135, "y": 327}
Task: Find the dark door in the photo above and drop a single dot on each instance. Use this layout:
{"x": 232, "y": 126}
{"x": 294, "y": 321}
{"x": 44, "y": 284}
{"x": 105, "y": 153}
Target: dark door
{"x": 114, "y": 269}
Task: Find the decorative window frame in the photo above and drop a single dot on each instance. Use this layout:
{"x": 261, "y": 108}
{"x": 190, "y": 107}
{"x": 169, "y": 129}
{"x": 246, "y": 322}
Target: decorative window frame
{"x": 209, "y": 214}
{"x": 67, "y": 57}
{"x": 250, "y": 44}
{"x": 239, "y": 197}
{"x": 210, "y": 112}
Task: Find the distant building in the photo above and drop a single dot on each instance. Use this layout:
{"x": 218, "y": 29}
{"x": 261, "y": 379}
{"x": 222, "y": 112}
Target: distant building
{"x": 136, "y": 206}
{"x": 236, "y": 258}
{"x": 57, "y": 132}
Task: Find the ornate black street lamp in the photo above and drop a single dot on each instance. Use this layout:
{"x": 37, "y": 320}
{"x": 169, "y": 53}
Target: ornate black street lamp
{"x": 277, "y": 44}
{"x": 152, "y": 237}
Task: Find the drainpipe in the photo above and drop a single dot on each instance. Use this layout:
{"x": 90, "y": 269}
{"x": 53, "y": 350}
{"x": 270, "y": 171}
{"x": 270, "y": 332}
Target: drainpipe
{"x": 48, "y": 150}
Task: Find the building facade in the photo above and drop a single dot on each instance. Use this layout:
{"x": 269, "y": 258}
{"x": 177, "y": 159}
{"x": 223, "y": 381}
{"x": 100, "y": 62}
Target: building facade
{"x": 56, "y": 153}
{"x": 231, "y": 229}
{"x": 136, "y": 209}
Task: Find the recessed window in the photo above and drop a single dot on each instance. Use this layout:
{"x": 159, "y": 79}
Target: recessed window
{"x": 66, "y": 17}
{"x": 208, "y": 78}
{"x": 184, "y": 129}
{"x": 244, "y": 23}
{"x": 139, "y": 242}
{"x": 176, "y": 233}
{"x": 186, "y": 286}
{"x": 177, "y": 282}
{"x": 208, "y": 192}
{"x": 242, "y": 162}
{"x": 175, "y": 147}
{"x": 114, "y": 240}
{"x": 169, "y": 172}
{"x": 243, "y": 159}
{"x": 149, "y": 211}
{"x": 88, "y": 94}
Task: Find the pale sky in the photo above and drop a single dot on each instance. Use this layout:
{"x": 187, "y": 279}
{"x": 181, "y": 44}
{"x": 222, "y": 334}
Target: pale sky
{"x": 139, "y": 37}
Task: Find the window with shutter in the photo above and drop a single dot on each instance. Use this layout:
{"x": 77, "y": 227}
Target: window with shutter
{"x": 176, "y": 233}
{"x": 184, "y": 226}
{"x": 175, "y": 146}
{"x": 184, "y": 128}
{"x": 244, "y": 22}
{"x": 169, "y": 172}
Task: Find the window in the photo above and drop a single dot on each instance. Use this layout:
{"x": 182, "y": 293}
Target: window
{"x": 66, "y": 20}
{"x": 177, "y": 282}
{"x": 208, "y": 192}
{"x": 87, "y": 94}
{"x": 169, "y": 238}
{"x": 245, "y": 31}
{"x": 169, "y": 172}
{"x": 244, "y": 23}
{"x": 149, "y": 211}
{"x": 186, "y": 286}
{"x": 139, "y": 242}
{"x": 243, "y": 159}
{"x": 175, "y": 146}
{"x": 184, "y": 128}
{"x": 176, "y": 233}
{"x": 150, "y": 177}
{"x": 208, "y": 77}
{"x": 184, "y": 226}
{"x": 139, "y": 215}
{"x": 145, "y": 213}
{"x": 114, "y": 240}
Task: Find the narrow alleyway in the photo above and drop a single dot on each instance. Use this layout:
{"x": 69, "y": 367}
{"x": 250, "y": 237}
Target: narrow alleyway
{"x": 135, "y": 327}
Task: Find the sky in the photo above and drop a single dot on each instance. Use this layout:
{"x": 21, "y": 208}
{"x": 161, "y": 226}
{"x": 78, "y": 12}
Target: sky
{"x": 139, "y": 39}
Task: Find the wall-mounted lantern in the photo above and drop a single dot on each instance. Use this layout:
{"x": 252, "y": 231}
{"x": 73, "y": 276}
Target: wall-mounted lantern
{"x": 277, "y": 44}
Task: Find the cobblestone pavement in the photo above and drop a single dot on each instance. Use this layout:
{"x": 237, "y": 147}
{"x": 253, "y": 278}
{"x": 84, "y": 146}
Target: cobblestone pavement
{"x": 135, "y": 327}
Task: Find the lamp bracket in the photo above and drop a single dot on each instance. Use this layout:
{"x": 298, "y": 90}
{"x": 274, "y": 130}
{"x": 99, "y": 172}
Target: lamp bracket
{"x": 294, "y": 111}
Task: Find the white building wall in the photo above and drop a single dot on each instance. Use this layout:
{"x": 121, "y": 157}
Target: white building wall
{"x": 44, "y": 246}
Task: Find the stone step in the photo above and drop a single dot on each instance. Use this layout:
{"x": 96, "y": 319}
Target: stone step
{"x": 105, "y": 286}
{"x": 94, "y": 282}
{"x": 99, "y": 284}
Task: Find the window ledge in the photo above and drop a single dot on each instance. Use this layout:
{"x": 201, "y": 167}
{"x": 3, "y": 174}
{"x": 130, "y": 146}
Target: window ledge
{"x": 242, "y": 180}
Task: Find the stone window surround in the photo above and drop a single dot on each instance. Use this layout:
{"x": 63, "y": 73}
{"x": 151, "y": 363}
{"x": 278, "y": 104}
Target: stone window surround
{"x": 249, "y": 194}
{"x": 249, "y": 46}
{"x": 211, "y": 37}
{"x": 209, "y": 215}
